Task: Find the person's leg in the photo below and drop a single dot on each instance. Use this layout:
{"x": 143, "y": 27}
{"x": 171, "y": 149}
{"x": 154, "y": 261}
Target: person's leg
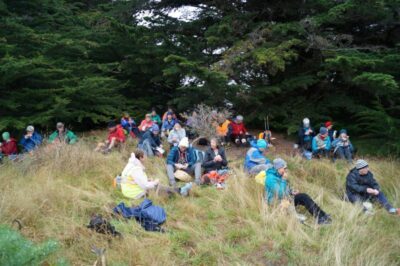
{"x": 305, "y": 200}
{"x": 196, "y": 171}
{"x": 348, "y": 155}
{"x": 340, "y": 153}
{"x": 112, "y": 143}
{"x": 381, "y": 198}
{"x": 148, "y": 150}
{"x": 166, "y": 191}
{"x": 170, "y": 173}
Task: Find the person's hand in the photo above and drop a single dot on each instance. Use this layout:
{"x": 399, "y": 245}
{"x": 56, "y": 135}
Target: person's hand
{"x": 295, "y": 192}
{"x": 157, "y": 181}
{"x": 371, "y": 191}
{"x": 376, "y": 192}
{"x": 185, "y": 166}
{"x": 178, "y": 166}
{"x": 218, "y": 158}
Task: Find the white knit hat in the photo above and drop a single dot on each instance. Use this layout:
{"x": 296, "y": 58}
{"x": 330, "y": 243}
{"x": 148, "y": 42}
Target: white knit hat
{"x": 30, "y": 129}
{"x": 184, "y": 143}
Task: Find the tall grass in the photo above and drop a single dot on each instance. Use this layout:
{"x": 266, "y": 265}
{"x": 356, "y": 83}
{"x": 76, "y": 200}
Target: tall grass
{"x": 55, "y": 193}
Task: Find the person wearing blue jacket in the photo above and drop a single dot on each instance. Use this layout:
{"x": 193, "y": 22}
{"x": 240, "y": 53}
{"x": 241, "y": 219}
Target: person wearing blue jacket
{"x": 277, "y": 188}
{"x": 150, "y": 142}
{"x": 168, "y": 124}
{"x": 255, "y": 160}
{"x": 305, "y": 135}
{"x": 183, "y": 158}
{"x": 321, "y": 143}
{"x": 31, "y": 140}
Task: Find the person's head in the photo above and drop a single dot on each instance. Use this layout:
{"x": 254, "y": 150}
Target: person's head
{"x": 262, "y": 145}
{"x": 170, "y": 110}
{"x": 177, "y": 127}
{"x": 112, "y": 126}
{"x": 343, "y": 134}
{"x": 323, "y": 131}
{"x": 194, "y": 113}
{"x": 153, "y": 112}
{"x": 155, "y": 129}
{"x": 184, "y": 144}
{"x": 6, "y": 136}
{"x": 139, "y": 154}
{"x": 30, "y": 129}
{"x": 60, "y": 126}
{"x": 306, "y": 122}
{"x": 170, "y": 115}
{"x": 148, "y": 117}
{"x": 280, "y": 165}
{"x": 328, "y": 125}
{"x": 125, "y": 115}
{"x": 214, "y": 143}
{"x": 239, "y": 119}
{"x": 362, "y": 167}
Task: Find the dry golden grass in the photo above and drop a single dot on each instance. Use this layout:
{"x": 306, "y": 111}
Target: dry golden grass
{"x": 55, "y": 193}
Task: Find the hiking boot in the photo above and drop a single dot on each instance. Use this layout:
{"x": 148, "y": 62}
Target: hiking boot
{"x": 185, "y": 189}
{"x": 324, "y": 220}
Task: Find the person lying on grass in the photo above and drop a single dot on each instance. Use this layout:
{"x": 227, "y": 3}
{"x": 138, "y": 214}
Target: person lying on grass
{"x": 116, "y": 137}
{"x": 135, "y": 184}
{"x": 183, "y": 158}
{"x": 255, "y": 160}
{"x": 277, "y": 189}
{"x": 361, "y": 186}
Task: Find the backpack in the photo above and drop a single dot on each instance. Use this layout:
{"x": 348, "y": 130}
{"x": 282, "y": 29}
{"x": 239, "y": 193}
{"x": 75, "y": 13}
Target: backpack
{"x": 102, "y": 226}
{"x": 149, "y": 216}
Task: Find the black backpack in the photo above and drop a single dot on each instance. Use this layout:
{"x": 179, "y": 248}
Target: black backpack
{"x": 102, "y": 226}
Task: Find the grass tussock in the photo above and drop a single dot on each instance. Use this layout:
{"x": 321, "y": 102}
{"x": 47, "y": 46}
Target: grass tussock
{"x": 55, "y": 193}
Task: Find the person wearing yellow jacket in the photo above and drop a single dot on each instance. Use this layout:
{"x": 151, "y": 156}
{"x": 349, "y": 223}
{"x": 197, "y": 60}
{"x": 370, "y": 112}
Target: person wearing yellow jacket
{"x": 223, "y": 129}
{"x": 135, "y": 183}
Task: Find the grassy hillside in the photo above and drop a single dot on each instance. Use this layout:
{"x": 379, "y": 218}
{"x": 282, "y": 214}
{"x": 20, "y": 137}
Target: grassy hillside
{"x": 55, "y": 193}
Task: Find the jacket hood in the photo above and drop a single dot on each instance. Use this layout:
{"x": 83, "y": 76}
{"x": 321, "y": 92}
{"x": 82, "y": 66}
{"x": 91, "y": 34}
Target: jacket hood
{"x": 135, "y": 161}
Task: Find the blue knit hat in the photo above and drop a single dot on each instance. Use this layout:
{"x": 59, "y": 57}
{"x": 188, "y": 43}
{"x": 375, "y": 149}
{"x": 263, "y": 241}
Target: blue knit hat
{"x": 262, "y": 144}
{"x": 155, "y": 127}
{"x": 323, "y": 130}
{"x": 279, "y": 163}
{"x": 343, "y": 131}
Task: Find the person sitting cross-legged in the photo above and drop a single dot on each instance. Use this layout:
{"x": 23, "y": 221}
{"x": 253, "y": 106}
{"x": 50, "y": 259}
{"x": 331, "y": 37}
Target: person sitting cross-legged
{"x": 321, "y": 143}
{"x": 238, "y": 132}
{"x": 135, "y": 183}
{"x": 277, "y": 189}
{"x": 361, "y": 186}
{"x": 215, "y": 158}
{"x": 255, "y": 160}
{"x": 183, "y": 158}
{"x": 343, "y": 147}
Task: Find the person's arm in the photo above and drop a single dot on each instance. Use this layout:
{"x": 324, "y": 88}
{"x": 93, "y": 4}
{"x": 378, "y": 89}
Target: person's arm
{"x": 353, "y": 185}
{"x": 328, "y": 143}
{"x": 171, "y": 156}
{"x": 282, "y": 189}
{"x": 223, "y": 156}
{"x": 257, "y": 157}
{"x": 53, "y": 137}
{"x": 244, "y": 129}
{"x": 124, "y": 123}
{"x": 72, "y": 137}
{"x": 208, "y": 160}
{"x": 314, "y": 144}
{"x": 191, "y": 157}
{"x": 171, "y": 137}
{"x": 142, "y": 181}
{"x": 374, "y": 184}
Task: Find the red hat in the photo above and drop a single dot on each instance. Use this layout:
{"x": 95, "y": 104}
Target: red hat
{"x": 328, "y": 123}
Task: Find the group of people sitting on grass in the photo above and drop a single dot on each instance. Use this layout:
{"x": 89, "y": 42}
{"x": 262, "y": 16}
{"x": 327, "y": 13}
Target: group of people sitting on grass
{"x": 324, "y": 143}
{"x": 31, "y": 140}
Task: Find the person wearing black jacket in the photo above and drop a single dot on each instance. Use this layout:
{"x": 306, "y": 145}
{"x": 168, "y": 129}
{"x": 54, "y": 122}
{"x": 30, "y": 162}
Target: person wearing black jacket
{"x": 215, "y": 158}
{"x": 305, "y": 135}
{"x": 361, "y": 186}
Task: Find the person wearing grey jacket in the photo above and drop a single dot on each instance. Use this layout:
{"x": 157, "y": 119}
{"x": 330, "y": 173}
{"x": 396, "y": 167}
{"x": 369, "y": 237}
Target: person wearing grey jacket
{"x": 176, "y": 135}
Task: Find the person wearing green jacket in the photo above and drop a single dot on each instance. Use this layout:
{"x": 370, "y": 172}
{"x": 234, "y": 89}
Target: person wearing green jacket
{"x": 63, "y": 135}
{"x": 155, "y": 117}
{"x": 277, "y": 188}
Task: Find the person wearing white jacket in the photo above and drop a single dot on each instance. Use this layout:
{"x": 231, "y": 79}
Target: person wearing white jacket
{"x": 135, "y": 183}
{"x": 176, "y": 135}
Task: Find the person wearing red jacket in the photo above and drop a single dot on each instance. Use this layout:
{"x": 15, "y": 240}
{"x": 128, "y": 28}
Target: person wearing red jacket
{"x": 146, "y": 124}
{"x": 9, "y": 145}
{"x": 238, "y": 131}
{"x": 116, "y": 136}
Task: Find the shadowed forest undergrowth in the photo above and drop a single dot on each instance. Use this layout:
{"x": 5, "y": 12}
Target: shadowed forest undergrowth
{"x": 55, "y": 193}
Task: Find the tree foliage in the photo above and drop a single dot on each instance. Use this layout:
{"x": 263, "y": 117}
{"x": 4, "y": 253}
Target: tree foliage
{"x": 85, "y": 62}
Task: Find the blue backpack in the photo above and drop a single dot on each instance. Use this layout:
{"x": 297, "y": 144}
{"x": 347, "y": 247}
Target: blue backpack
{"x": 150, "y": 217}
